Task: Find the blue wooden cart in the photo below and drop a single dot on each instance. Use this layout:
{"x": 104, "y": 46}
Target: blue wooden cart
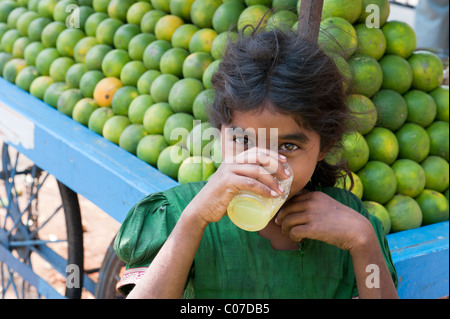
{"x": 114, "y": 180}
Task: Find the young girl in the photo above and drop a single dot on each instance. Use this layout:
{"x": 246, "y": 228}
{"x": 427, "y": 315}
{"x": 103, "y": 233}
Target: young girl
{"x": 321, "y": 244}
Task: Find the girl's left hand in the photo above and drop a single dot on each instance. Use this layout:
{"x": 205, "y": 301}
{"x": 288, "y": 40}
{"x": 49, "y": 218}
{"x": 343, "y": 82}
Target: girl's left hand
{"x": 316, "y": 215}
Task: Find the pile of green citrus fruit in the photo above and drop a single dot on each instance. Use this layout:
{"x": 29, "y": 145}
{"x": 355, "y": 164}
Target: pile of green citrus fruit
{"x": 139, "y": 74}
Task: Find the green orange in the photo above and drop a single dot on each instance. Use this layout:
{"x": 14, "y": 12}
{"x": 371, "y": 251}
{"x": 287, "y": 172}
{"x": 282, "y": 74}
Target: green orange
{"x": 118, "y": 9}
{"x": 50, "y": 33}
{"x": 367, "y": 75}
{"x": 172, "y": 61}
{"x": 114, "y": 126}
{"x": 150, "y": 19}
{"x": 131, "y": 72}
{"x": 161, "y": 87}
{"x": 74, "y": 75}
{"x": 436, "y": 171}
{"x": 391, "y": 108}
{"x": 183, "y": 94}
{"x": 53, "y": 93}
{"x": 98, "y": 118}
{"x": 422, "y": 108}
{"x": 156, "y": 116}
{"x": 439, "y": 144}
{"x": 122, "y": 99}
{"x": 441, "y": 97}
{"x": 40, "y": 85}
{"x": 401, "y": 39}
{"x": 12, "y": 69}
{"x": 67, "y": 40}
{"x": 434, "y": 207}
{"x": 83, "y": 110}
{"x": 25, "y": 77}
{"x": 410, "y": 177}
{"x": 202, "y": 12}
{"x": 195, "y": 169}
{"x": 106, "y": 30}
{"x": 131, "y": 136}
{"x": 195, "y": 65}
{"x": 375, "y": 12}
{"x": 405, "y": 213}
{"x": 379, "y": 182}
{"x": 153, "y": 53}
{"x": 181, "y": 8}
{"x": 59, "y": 68}
{"x": 383, "y": 145}
{"x": 88, "y": 82}
{"x": 428, "y": 71}
{"x": 371, "y": 41}
{"x": 94, "y": 57}
{"x": 338, "y": 35}
{"x": 177, "y": 128}
{"x": 182, "y": 36}
{"x": 252, "y": 16}
{"x": 170, "y": 159}
{"x": 226, "y": 16}
{"x": 202, "y": 103}
{"x": 202, "y": 40}
{"x": 137, "y": 45}
{"x": 146, "y": 80}
{"x": 364, "y": 111}
{"x": 137, "y": 108}
{"x": 93, "y": 21}
{"x": 114, "y": 61}
{"x": 137, "y": 11}
{"x": 67, "y": 101}
{"x": 124, "y": 34}
{"x": 209, "y": 72}
{"x": 356, "y": 151}
{"x": 397, "y": 73}
{"x": 166, "y": 26}
{"x": 381, "y": 213}
{"x": 150, "y": 147}
{"x": 414, "y": 142}
{"x": 82, "y": 48}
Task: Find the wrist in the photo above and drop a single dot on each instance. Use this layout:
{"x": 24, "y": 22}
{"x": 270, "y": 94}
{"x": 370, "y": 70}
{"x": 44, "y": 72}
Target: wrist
{"x": 364, "y": 238}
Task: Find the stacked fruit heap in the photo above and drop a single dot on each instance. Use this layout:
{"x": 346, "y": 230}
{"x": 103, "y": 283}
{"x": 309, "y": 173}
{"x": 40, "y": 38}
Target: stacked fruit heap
{"x": 135, "y": 71}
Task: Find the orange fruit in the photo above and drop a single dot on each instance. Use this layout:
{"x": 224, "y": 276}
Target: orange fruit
{"x": 153, "y": 53}
{"x": 404, "y": 212}
{"x": 45, "y": 8}
{"x": 226, "y": 16}
{"x": 118, "y": 9}
{"x": 436, "y": 172}
{"x": 177, "y": 128}
{"x": 421, "y": 108}
{"x": 93, "y": 21}
{"x": 106, "y": 30}
{"x": 284, "y": 5}
{"x": 23, "y": 22}
{"x": 379, "y": 181}
{"x": 12, "y": 69}
{"x": 209, "y": 72}
{"x": 161, "y": 87}
{"x": 401, "y": 39}
{"x": 67, "y": 40}
{"x": 83, "y": 110}
{"x": 51, "y": 33}
{"x": 172, "y": 61}
{"x": 166, "y": 26}
{"x": 181, "y": 8}
{"x": 163, "y": 5}
{"x": 383, "y": 145}
{"x": 105, "y": 90}
{"x": 150, "y": 147}
{"x": 397, "y": 73}
{"x": 182, "y": 36}
{"x": 391, "y": 108}
{"x": 156, "y": 116}
{"x": 36, "y": 27}
{"x": 63, "y": 9}
{"x": 4, "y": 58}
{"x": 137, "y": 108}
{"x": 82, "y": 48}
{"x": 131, "y": 136}
{"x": 195, "y": 169}
{"x": 11, "y": 22}
{"x": 202, "y": 103}
{"x": 131, "y": 72}
{"x": 19, "y": 46}
{"x": 410, "y": 177}
{"x": 252, "y": 16}
{"x": 74, "y": 74}
{"x": 381, "y": 213}
{"x": 8, "y": 39}
{"x": 138, "y": 43}
{"x": 98, "y": 119}
{"x": 122, "y": 99}
{"x": 441, "y": 97}
{"x": 146, "y": 80}
{"x": 124, "y": 34}
{"x": 438, "y": 133}
{"x": 367, "y": 75}
{"x": 40, "y": 85}
{"x": 67, "y": 101}
{"x": 338, "y": 35}
{"x": 137, "y": 11}
{"x": 371, "y": 41}
{"x": 114, "y": 126}
{"x": 114, "y": 61}
{"x": 25, "y": 77}
{"x": 100, "y": 5}
{"x": 282, "y": 20}
{"x": 364, "y": 111}
{"x": 200, "y": 139}
{"x": 195, "y": 65}
{"x": 59, "y": 68}
{"x": 202, "y": 40}
{"x": 413, "y": 141}
{"x": 95, "y": 56}
{"x": 345, "y": 183}
{"x": 434, "y": 207}
{"x": 150, "y": 19}
{"x": 356, "y": 151}
{"x": 220, "y": 42}
{"x": 89, "y": 81}
{"x": 31, "y": 51}
{"x": 349, "y": 10}
{"x": 170, "y": 159}
{"x": 202, "y": 12}
{"x": 428, "y": 71}
{"x": 183, "y": 93}
{"x": 53, "y": 92}
{"x": 5, "y": 9}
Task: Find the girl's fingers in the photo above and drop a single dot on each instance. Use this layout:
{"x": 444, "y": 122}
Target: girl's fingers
{"x": 260, "y": 174}
{"x": 270, "y": 160}
{"x": 253, "y": 185}
{"x": 296, "y": 204}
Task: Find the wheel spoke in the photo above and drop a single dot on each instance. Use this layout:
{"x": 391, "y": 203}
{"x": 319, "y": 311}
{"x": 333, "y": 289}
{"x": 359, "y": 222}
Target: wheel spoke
{"x": 46, "y": 221}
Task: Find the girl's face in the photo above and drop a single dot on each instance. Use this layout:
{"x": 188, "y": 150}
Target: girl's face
{"x": 279, "y": 132}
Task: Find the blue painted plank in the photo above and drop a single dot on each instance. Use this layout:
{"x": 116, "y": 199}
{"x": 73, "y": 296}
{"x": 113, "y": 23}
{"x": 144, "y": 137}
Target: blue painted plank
{"x": 92, "y": 166}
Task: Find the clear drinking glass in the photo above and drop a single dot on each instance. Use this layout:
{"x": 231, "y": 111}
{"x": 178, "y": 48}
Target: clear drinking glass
{"x": 252, "y": 212}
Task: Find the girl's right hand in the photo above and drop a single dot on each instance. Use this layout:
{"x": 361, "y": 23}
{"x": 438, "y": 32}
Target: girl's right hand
{"x": 252, "y": 170}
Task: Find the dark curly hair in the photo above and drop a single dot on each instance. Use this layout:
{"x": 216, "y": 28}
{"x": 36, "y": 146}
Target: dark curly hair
{"x": 293, "y": 75}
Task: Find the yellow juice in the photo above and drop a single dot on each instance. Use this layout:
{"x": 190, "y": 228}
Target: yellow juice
{"x": 250, "y": 212}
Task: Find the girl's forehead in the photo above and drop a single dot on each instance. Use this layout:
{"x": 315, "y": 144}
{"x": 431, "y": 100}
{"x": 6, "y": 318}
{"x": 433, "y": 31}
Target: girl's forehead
{"x": 265, "y": 118}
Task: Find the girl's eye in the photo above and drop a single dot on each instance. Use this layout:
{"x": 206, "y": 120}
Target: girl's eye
{"x": 288, "y": 147}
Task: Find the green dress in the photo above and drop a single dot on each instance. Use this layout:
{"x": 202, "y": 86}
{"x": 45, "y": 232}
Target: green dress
{"x": 233, "y": 263}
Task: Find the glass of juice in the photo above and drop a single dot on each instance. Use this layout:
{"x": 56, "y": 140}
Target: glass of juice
{"x": 252, "y": 212}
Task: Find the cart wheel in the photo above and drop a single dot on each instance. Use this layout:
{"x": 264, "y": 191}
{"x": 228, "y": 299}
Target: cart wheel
{"x": 109, "y": 275}
{"x": 32, "y": 233}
